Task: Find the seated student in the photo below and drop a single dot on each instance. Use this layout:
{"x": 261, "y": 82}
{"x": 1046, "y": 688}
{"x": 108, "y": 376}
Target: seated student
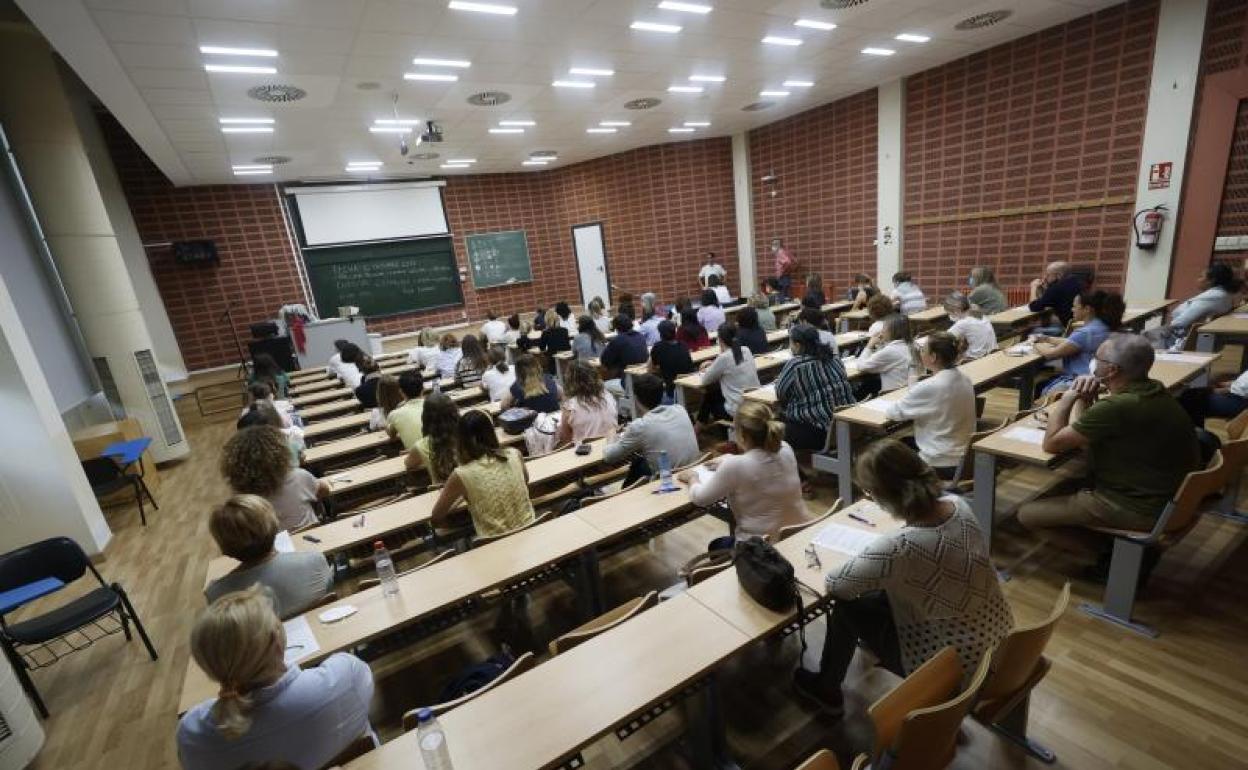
{"x": 1218, "y": 287}
{"x": 710, "y": 267}
{"x": 262, "y": 393}
{"x": 265, "y": 369}
{"x": 710, "y": 315}
{"x": 879, "y": 307}
{"x": 676, "y": 311}
{"x": 346, "y": 369}
{"x": 766, "y": 318}
{"x": 370, "y": 374}
{"x": 814, "y": 296}
{"x": 727, "y": 377}
{"x": 472, "y": 363}
{"x": 435, "y": 449}
{"x": 626, "y": 348}
{"x": 891, "y": 355}
{"x": 256, "y": 461}
{"x": 564, "y": 312}
{"x": 772, "y": 291}
{"x": 626, "y": 306}
{"x": 426, "y": 353}
{"x": 598, "y": 311}
{"x": 263, "y": 413}
{"x": 448, "y": 356}
{"x": 659, "y": 428}
{"x": 1226, "y": 399}
{"x": 975, "y": 334}
{"x": 907, "y": 296}
{"x": 691, "y": 333}
{"x": 403, "y": 406}
{"x": 539, "y": 319}
{"x": 985, "y": 293}
{"x": 589, "y": 342}
{"x": 589, "y": 411}
{"x": 491, "y": 479}
{"x": 493, "y": 330}
{"x": 750, "y": 333}
{"x": 1100, "y": 313}
{"x": 811, "y": 385}
{"x": 722, "y": 294}
{"x": 886, "y": 600}
{"x": 941, "y": 406}
{"x": 862, "y": 290}
{"x": 498, "y": 379}
{"x": 267, "y": 710}
{"x": 514, "y": 331}
{"x": 337, "y": 365}
{"x": 651, "y": 315}
{"x": 761, "y": 485}
{"x": 1054, "y": 295}
{"x": 556, "y": 338}
{"x": 244, "y": 529}
{"x": 669, "y": 359}
{"x": 812, "y": 316}
{"x": 533, "y": 389}
{"x": 1140, "y": 446}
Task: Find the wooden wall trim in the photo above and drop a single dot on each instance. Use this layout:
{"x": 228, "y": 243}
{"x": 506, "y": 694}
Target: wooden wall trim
{"x": 1018, "y": 211}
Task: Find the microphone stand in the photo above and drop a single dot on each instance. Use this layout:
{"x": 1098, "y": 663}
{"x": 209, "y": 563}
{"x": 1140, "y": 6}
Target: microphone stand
{"x": 238, "y": 344}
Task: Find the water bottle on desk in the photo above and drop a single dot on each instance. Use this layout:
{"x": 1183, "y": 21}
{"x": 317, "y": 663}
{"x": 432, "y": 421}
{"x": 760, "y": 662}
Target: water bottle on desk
{"x": 432, "y": 741}
{"x": 665, "y": 471}
{"x": 385, "y": 570}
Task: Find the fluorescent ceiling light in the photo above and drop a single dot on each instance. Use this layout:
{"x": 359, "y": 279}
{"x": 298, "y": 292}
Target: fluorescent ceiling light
{"x": 669, "y": 5}
{"x": 506, "y": 130}
{"x": 254, "y": 167}
{"x": 398, "y": 121}
{"x": 777, "y": 40}
{"x": 455, "y": 165}
{"x": 697, "y": 123}
{"x": 420, "y": 62}
{"x": 685, "y": 89}
{"x": 253, "y": 172}
{"x": 390, "y": 129}
{"x": 226, "y": 51}
{"x": 649, "y": 26}
{"x": 812, "y": 24}
{"x": 591, "y": 72}
{"x": 798, "y": 84}
{"x": 461, "y": 161}
{"x": 573, "y": 84}
{"x": 359, "y": 169}
{"x": 497, "y": 10}
{"x": 707, "y": 78}
{"x": 773, "y": 93}
{"x": 878, "y": 51}
{"x": 680, "y": 130}
{"x": 617, "y": 123}
{"x": 246, "y": 121}
{"x": 534, "y": 163}
{"x": 906, "y": 37}
{"x": 246, "y": 129}
{"x": 430, "y": 76}
{"x": 601, "y": 130}
{"x": 240, "y": 69}
{"x": 364, "y": 162}
{"x": 517, "y": 123}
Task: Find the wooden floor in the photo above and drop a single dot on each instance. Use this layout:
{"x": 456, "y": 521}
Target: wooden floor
{"x": 1113, "y": 699}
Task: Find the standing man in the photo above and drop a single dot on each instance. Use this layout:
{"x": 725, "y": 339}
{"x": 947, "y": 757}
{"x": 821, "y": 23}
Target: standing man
{"x": 710, "y": 267}
{"x": 786, "y": 265}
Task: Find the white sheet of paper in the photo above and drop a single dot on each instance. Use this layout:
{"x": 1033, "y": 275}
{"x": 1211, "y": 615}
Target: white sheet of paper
{"x": 300, "y": 642}
{"x": 282, "y": 543}
{"x": 1026, "y": 435}
{"x": 875, "y": 405}
{"x": 781, "y": 355}
{"x": 1021, "y": 349}
{"x": 1180, "y": 358}
{"x": 847, "y": 540}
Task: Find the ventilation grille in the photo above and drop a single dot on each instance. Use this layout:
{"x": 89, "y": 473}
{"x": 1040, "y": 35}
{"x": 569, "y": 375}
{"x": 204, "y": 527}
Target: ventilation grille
{"x": 156, "y": 393}
{"x": 756, "y": 106}
{"x": 839, "y": 5}
{"x": 983, "y": 20}
{"x": 272, "y": 160}
{"x": 544, "y": 154}
{"x": 368, "y": 85}
{"x": 109, "y": 385}
{"x": 647, "y": 103}
{"x": 424, "y": 156}
{"x": 489, "y": 99}
{"x": 276, "y": 93}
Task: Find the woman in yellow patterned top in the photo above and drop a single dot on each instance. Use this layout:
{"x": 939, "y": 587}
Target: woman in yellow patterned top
{"x": 493, "y": 481}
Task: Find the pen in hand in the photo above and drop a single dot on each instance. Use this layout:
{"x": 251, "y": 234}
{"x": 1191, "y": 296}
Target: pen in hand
{"x": 861, "y": 520}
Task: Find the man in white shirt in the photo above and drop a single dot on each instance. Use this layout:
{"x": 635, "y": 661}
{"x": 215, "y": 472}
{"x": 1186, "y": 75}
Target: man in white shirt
{"x": 658, "y": 429}
{"x": 942, "y": 406}
{"x": 710, "y": 266}
{"x": 494, "y": 330}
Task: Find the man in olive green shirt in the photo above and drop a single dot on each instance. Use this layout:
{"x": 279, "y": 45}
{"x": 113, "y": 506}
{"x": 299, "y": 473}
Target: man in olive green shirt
{"x": 1139, "y": 441}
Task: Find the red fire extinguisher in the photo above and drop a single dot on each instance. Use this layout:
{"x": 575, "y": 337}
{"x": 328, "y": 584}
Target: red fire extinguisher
{"x": 1147, "y": 226}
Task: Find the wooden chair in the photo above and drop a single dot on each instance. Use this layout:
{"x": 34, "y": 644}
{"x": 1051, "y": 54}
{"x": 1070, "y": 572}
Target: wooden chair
{"x": 486, "y": 540}
{"x": 786, "y": 532}
{"x": 604, "y": 622}
{"x": 704, "y": 457}
{"x": 1017, "y": 667}
{"x": 1235, "y": 457}
{"x": 821, "y": 760}
{"x": 1235, "y": 427}
{"x": 963, "y": 481}
{"x": 523, "y": 663}
{"x": 608, "y": 495}
{"x": 917, "y": 722}
{"x": 1178, "y": 518}
{"x": 373, "y": 582}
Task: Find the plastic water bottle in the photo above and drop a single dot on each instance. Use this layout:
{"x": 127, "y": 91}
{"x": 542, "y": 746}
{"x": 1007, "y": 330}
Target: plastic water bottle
{"x": 385, "y": 570}
{"x": 437, "y": 382}
{"x": 665, "y": 470}
{"x": 432, "y": 742}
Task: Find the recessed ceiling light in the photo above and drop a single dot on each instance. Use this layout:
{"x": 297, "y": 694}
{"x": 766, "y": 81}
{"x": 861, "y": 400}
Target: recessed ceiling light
{"x": 601, "y": 130}
{"x": 364, "y": 162}
{"x": 240, "y": 69}
{"x": 573, "y": 84}
{"x": 455, "y": 165}
{"x": 812, "y": 24}
{"x": 682, "y": 130}
{"x": 497, "y": 10}
{"x": 254, "y": 167}
{"x": 431, "y": 76}
{"x": 649, "y": 26}
{"x": 253, "y": 172}
{"x": 461, "y": 161}
{"x": 390, "y": 129}
{"x": 591, "y": 72}
{"x": 616, "y": 123}
{"x": 906, "y": 37}
{"x": 669, "y": 5}
{"x": 878, "y": 51}
{"x": 398, "y": 121}
{"x": 707, "y": 78}
{"x": 226, "y": 51}
{"x": 506, "y": 130}
{"x": 534, "y": 163}
{"x": 798, "y": 84}
{"x": 360, "y": 169}
{"x": 777, "y": 40}
{"x": 685, "y": 89}
{"x": 246, "y": 129}
{"x": 246, "y": 121}
{"x": 697, "y": 123}
{"x": 773, "y": 93}
{"x": 419, "y": 62}
{"x": 517, "y": 123}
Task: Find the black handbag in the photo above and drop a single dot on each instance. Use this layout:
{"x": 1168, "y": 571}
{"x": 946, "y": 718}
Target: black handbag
{"x": 769, "y": 579}
{"x": 516, "y": 420}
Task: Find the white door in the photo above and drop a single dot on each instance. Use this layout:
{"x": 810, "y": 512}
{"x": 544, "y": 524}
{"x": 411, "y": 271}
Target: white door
{"x": 591, "y": 262}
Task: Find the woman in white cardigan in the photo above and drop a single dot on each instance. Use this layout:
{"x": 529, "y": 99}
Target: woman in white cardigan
{"x": 891, "y": 355}
{"x": 941, "y": 406}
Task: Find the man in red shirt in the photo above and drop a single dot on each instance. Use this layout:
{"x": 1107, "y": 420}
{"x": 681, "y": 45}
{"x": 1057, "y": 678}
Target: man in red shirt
{"x": 786, "y": 264}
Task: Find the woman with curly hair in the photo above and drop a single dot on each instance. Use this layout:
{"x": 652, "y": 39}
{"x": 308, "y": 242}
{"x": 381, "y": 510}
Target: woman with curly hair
{"x": 256, "y": 461}
{"x": 589, "y": 411}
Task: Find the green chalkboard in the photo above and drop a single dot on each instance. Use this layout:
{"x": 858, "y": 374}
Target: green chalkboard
{"x": 385, "y": 278}
{"x": 499, "y": 259}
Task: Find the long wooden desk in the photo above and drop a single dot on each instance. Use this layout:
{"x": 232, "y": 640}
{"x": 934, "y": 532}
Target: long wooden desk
{"x": 930, "y": 317}
{"x": 1011, "y": 321}
{"x": 1139, "y": 313}
{"x": 347, "y": 423}
{"x": 333, "y": 394}
{"x": 345, "y": 447}
{"x": 1232, "y": 328}
{"x": 308, "y": 387}
{"x": 320, "y": 412}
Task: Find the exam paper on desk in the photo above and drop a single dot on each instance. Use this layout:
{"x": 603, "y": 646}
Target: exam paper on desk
{"x": 850, "y": 541}
{"x": 300, "y": 641}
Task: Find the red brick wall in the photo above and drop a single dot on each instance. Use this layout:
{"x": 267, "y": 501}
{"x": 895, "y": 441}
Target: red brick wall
{"x": 825, "y": 193}
{"x": 1225, "y": 48}
{"x": 1055, "y": 117}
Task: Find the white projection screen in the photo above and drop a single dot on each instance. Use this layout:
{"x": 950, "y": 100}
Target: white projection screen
{"x": 353, "y": 213}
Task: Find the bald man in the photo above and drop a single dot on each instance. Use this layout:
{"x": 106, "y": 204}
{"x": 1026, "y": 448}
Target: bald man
{"x": 1056, "y": 292}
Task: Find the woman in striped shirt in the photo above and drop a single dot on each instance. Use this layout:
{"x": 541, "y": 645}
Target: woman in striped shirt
{"x": 812, "y": 384}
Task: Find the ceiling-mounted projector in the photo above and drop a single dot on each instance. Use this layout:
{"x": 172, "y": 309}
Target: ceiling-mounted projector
{"x": 432, "y": 134}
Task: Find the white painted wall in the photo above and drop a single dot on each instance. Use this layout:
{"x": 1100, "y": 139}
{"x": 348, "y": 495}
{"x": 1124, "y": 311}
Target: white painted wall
{"x": 1167, "y": 127}
{"x": 743, "y": 202}
{"x": 890, "y": 190}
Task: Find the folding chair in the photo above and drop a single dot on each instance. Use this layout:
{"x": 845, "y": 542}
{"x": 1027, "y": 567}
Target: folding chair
{"x": 106, "y": 478}
{"x": 604, "y": 622}
{"x": 523, "y": 663}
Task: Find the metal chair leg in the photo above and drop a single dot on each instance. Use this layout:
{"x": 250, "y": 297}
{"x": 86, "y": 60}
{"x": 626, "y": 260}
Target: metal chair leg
{"x": 23, "y": 676}
{"x": 1013, "y": 726}
{"x": 1124, "y": 578}
{"x": 138, "y": 624}
{"x": 148, "y": 492}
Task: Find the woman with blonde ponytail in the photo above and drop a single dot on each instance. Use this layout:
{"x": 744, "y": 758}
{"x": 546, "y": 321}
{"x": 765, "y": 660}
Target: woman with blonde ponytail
{"x": 761, "y": 485}
{"x": 266, "y": 710}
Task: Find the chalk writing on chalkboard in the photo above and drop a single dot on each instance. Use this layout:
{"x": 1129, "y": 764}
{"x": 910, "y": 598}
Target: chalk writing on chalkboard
{"x": 499, "y": 259}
